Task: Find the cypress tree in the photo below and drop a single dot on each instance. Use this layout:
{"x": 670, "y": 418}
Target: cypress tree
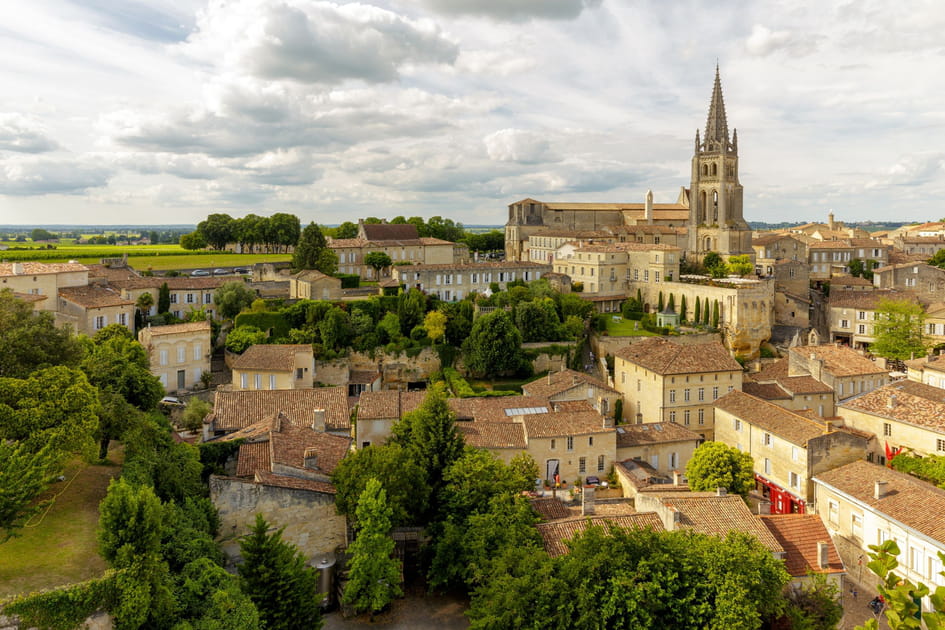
{"x": 715, "y": 314}
{"x": 164, "y": 299}
{"x": 705, "y": 312}
{"x": 697, "y": 318}
{"x": 682, "y": 308}
{"x": 659, "y": 308}
{"x": 672, "y": 302}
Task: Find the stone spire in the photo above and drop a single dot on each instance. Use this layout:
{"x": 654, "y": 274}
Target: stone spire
{"x": 716, "y": 126}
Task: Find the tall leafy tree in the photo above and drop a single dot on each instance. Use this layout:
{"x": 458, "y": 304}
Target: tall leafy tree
{"x": 537, "y": 320}
{"x": 193, "y": 241}
{"x": 346, "y": 230}
{"x": 717, "y": 465}
{"x": 232, "y": 297}
{"x": 218, "y": 230}
{"x": 275, "y": 576}
{"x": 164, "y": 299}
{"x": 284, "y": 230}
{"x": 378, "y": 261}
{"x": 309, "y": 249}
{"x": 435, "y": 323}
{"x": 30, "y": 341}
{"x": 899, "y": 330}
{"x": 411, "y": 306}
{"x": 209, "y": 595}
{"x": 494, "y": 345}
{"x": 24, "y": 475}
{"x": 374, "y": 574}
{"x": 403, "y": 478}
{"x": 144, "y": 303}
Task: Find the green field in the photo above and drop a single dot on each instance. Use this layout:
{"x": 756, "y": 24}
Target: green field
{"x": 59, "y": 547}
{"x": 626, "y": 328}
{"x": 141, "y": 257}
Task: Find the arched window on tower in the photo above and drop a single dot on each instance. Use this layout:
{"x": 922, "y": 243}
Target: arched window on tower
{"x": 715, "y": 206}
{"x": 705, "y": 169}
{"x": 703, "y": 209}
{"x": 715, "y": 170}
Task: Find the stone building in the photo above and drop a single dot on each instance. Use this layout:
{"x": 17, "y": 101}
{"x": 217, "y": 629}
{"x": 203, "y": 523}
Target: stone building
{"x": 863, "y": 504}
{"x": 926, "y": 282}
{"x": 808, "y": 548}
{"x": 187, "y": 293}
{"x": 796, "y": 393}
{"x": 770, "y": 247}
{"x": 926, "y": 246}
{"x": 311, "y": 284}
{"x": 710, "y": 209}
{"x": 90, "y": 308}
{"x": 662, "y": 381}
{"x": 571, "y": 385}
{"x": 851, "y": 314}
{"x": 454, "y": 281}
{"x": 401, "y": 242}
{"x": 846, "y": 372}
{"x": 283, "y": 471}
{"x": 274, "y": 366}
{"x": 666, "y": 446}
{"x": 617, "y": 268}
{"x": 904, "y": 414}
{"x": 323, "y": 409}
{"x": 42, "y": 279}
{"x": 788, "y": 448}
{"x": 178, "y": 354}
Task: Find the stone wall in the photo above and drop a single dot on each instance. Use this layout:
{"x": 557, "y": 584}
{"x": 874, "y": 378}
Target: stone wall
{"x": 334, "y": 372}
{"x": 309, "y": 518}
{"x": 549, "y": 362}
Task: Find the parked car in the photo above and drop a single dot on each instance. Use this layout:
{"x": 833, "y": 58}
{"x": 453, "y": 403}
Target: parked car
{"x": 221, "y": 272}
{"x": 242, "y": 270}
{"x": 170, "y": 402}
{"x": 591, "y": 480}
{"x": 199, "y": 272}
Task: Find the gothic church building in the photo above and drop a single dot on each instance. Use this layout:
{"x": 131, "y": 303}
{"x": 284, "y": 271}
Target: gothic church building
{"x": 707, "y": 216}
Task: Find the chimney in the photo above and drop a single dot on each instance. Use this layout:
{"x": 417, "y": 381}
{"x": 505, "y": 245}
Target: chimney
{"x": 721, "y": 492}
{"x": 311, "y": 459}
{"x": 822, "y": 558}
{"x": 891, "y": 404}
{"x": 587, "y": 501}
{"x": 318, "y": 423}
{"x": 17, "y": 269}
{"x": 879, "y": 490}
{"x": 764, "y": 507}
{"x": 676, "y": 478}
{"x": 677, "y": 518}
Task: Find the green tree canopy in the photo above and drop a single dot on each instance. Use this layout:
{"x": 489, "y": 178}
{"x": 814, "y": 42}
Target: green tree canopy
{"x": 217, "y": 230}
{"x": 374, "y": 575}
{"x": 740, "y": 265}
{"x": 275, "y": 576}
{"x": 24, "y": 475}
{"x": 494, "y": 345}
{"x": 193, "y": 241}
{"x": 309, "y": 251}
{"x": 30, "y": 341}
{"x": 242, "y": 337}
{"x": 377, "y": 261}
{"x": 232, "y": 297}
{"x": 346, "y": 230}
{"x": 435, "y": 324}
{"x": 899, "y": 330}
{"x": 164, "y": 298}
{"x": 717, "y": 465}
{"x": 538, "y": 320}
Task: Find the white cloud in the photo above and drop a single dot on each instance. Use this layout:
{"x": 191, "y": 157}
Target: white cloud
{"x": 44, "y": 176}
{"x": 517, "y": 145}
{"x": 24, "y": 135}
{"x": 315, "y": 42}
{"x": 514, "y": 10}
{"x": 763, "y": 42}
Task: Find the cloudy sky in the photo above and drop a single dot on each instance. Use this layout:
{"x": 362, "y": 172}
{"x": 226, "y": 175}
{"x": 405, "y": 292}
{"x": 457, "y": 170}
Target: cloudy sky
{"x": 163, "y": 111}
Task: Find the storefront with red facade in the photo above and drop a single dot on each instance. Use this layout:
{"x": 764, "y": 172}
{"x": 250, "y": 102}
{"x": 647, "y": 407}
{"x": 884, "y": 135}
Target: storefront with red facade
{"x": 782, "y": 501}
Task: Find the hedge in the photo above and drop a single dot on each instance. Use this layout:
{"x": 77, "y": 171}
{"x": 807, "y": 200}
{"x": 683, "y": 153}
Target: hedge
{"x": 274, "y": 322}
{"x": 349, "y": 280}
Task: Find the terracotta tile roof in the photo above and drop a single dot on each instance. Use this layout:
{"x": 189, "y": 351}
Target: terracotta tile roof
{"x": 804, "y": 385}
{"x": 905, "y": 401}
{"x": 717, "y": 516}
{"x": 276, "y": 357}
{"x": 616, "y": 248}
{"x": 550, "y": 508}
{"x": 866, "y": 300}
{"x": 252, "y": 457}
{"x": 493, "y": 434}
{"x": 495, "y": 409}
{"x": 178, "y": 283}
{"x": 345, "y": 243}
{"x": 38, "y": 268}
{"x": 282, "y": 481}
{"x": 653, "y": 433}
{"x": 573, "y": 234}
{"x": 233, "y": 410}
{"x": 473, "y": 267}
{"x": 111, "y": 273}
{"x": 178, "y": 329}
{"x": 840, "y": 360}
{"x": 849, "y": 281}
{"x": 771, "y": 371}
{"x": 903, "y": 493}
{"x": 363, "y": 377}
{"x": 388, "y": 404}
{"x": 560, "y": 382}
{"x": 793, "y": 427}
{"x": 389, "y": 231}
{"x": 799, "y": 535}
{"x": 94, "y": 296}
{"x": 572, "y": 405}
{"x": 29, "y": 297}
{"x": 556, "y": 534}
{"x": 665, "y": 357}
{"x": 765, "y": 391}
{"x": 817, "y": 245}
{"x": 564, "y": 423}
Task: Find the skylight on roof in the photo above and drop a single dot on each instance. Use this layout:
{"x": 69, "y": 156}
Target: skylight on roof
{"x": 525, "y": 411}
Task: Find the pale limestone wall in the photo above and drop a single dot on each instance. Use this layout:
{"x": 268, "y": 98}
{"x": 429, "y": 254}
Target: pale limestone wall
{"x": 549, "y": 362}
{"x": 397, "y": 370}
{"x": 822, "y": 404}
{"x": 685, "y": 399}
{"x": 922, "y": 440}
{"x": 373, "y": 432}
{"x": 334, "y": 372}
{"x": 256, "y": 379}
{"x": 604, "y": 445}
{"x": 47, "y": 284}
{"x": 790, "y": 311}
{"x": 746, "y": 314}
{"x": 309, "y": 518}
{"x": 85, "y": 320}
{"x": 660, "y": 456}
{"x": 327, "y": 288}
{"x": 164, "y": 356}
{"x": 458, "y": 282}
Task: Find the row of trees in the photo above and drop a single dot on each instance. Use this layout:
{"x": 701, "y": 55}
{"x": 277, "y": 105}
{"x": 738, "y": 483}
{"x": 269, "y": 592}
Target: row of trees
{"x": 275, "y": 233}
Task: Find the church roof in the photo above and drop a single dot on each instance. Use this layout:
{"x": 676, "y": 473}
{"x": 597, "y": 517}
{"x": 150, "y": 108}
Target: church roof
{"x": 716, "y": 126}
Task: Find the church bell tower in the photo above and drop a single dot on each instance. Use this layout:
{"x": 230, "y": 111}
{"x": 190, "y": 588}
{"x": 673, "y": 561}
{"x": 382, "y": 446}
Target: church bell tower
{"x": 715, "y": 195}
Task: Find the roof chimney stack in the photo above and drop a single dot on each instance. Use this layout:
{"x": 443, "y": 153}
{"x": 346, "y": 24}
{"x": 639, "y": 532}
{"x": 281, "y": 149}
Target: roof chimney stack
{"x": 879, "y": 490}
{"x": 892, "y": 402}
{"x": 311, "y": 459}
{"x": 823, "y": 560}
{"x": 721, "y": 492}
{"x": 318, "y": 421}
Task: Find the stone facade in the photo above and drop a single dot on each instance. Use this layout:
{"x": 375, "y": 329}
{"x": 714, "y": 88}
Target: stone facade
{"x": 926, "y": 282}
{"x": 179, "y": 354}
{"x": 274, "y": 366}
{"x": 451, "y": 282}
{"x": 309, "y": 518}
{"x": 401, "y": 242}
{"x": 846, "y": 371}
{"x": 45, "y": 279}
{"x": 617, "y": 268}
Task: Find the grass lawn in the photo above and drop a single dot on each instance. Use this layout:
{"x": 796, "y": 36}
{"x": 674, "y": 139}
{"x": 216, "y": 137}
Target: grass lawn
{"x": 60, "y": 547}
{"x": 626, "y": 328}
{"x": 504, "y": 384}
{"x": 144, "y": 257}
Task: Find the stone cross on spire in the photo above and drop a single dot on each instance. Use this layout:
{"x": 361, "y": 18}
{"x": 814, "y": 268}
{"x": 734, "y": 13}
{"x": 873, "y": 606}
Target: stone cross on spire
{"x": 716, "y": 126}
